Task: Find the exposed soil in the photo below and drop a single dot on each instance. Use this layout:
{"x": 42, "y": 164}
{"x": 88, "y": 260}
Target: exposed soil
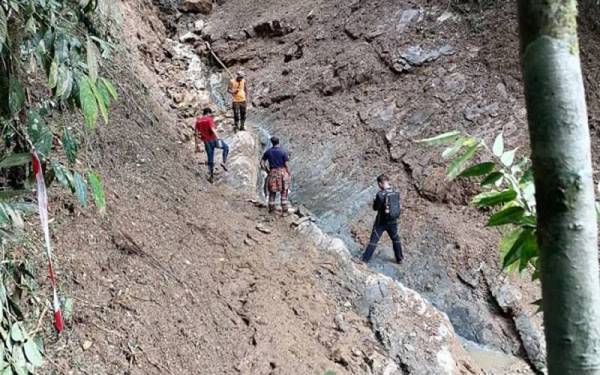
{"x": 177, "y": 279}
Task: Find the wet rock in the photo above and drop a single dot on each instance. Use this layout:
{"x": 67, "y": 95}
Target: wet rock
{"x": 243, "y": 172}
{"x": 533, "y": 342}
{"x": 414, "y": 56}
{"x": 407, "y": 17}
{"x": 196, "y": 6}
{"x": 273, "y": 29}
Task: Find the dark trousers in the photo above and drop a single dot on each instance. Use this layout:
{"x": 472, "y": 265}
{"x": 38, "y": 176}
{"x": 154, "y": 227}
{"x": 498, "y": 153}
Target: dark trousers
{"x": 210, "y": 147}
{"x": 378, "y": 229}
{"x": 239, "y": 114}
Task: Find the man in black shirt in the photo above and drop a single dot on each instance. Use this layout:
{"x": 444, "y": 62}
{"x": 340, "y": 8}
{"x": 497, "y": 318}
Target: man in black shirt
{"x": 387, "y": 205}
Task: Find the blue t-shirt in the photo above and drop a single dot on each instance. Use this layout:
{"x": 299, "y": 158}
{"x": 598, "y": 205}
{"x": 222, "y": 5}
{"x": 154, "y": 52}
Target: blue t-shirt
{"x": 276, "y": 157}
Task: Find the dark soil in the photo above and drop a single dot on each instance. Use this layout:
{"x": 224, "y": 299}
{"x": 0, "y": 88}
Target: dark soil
{"x": 177, "y": 280}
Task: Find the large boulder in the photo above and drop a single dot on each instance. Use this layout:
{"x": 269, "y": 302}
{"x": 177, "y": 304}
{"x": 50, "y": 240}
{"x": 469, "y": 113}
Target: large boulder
{"x": 196, "y": 6}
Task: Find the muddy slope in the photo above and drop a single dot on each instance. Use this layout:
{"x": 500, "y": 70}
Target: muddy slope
{"x": 185, "y": 277}
{"x": 350, "y": 86}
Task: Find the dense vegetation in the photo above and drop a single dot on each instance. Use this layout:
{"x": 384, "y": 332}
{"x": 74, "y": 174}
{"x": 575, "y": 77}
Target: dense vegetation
{"x": 50, "y": 58}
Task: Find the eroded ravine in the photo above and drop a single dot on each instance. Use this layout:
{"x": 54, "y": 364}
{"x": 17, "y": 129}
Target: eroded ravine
{"x": 335, "y": 198}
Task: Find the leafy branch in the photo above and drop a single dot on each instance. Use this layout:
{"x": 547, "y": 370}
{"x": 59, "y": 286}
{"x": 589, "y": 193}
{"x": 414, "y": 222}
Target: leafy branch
{"x": 509, "y": 192}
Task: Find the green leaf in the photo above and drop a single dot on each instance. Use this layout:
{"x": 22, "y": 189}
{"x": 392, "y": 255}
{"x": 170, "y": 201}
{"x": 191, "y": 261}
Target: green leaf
{"x": 457, "y": 165}
{"x": 478, "y": 170}
{"x": 510, "y": 215}
{"x": 101, "y": 102}
{"x": 13, "y": 160}
{"x": 40, "y": 134}
{"x": 508, "y": 157}
{"x": 527, "y": 176}
{"x": 87, "y": 102}
{"x": 64, "y": 82}
{"x": 16, "y": 332}
{"x": 16, "y": 96}
{"x": 69, "y": 145}
{"x": 80, "y": 188}
{"x": 454, "y": 149}
{"x": 97, "y": 190}
{"x": 525, "y": 245}
{"x": 92, "y": 60}
{"x": 493, "y": 198}
{"x": 63, "y": 175}
{"x": 32, "y": 352}
{"x": 102, "y": 93}
{"x": 442, "y": 138}
{"x": 19, "y": 363}
{"x": 498, "y": 147}
{"x": 491, "y": 178}
{"x": 53, "y": 75}
{"x": 3, "y": 28}
{"x": 109, "y": 86}
{"x": 67, "y": 308}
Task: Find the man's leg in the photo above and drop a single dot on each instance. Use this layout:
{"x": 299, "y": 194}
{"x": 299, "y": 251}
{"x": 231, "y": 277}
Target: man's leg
{"x": 272, "y": 199}
{"x": 242, "y": 115}
{"x": 210, "y": 154}
{"x": 225, "y": 147}
{"x": 284, "y": 200}
{"x": 375, "y": 236}
{"x": 392, "y": 230}
{"x": 236, "y": 115}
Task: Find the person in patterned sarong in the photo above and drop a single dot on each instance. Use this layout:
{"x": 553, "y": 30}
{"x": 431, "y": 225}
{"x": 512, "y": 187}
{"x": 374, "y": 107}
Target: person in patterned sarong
{"x": 275, "y": 163}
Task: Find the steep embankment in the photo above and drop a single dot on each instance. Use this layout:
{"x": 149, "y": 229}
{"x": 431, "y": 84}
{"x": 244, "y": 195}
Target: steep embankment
{"x": 184, "y": 277}
{"x": 350, "y": 86}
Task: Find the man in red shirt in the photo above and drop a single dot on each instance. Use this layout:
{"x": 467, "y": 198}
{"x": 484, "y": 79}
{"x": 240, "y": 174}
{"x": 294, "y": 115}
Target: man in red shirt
{"x": 207, "y": 133}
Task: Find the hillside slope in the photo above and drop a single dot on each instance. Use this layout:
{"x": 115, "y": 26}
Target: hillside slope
{"x": 181, "y": 276}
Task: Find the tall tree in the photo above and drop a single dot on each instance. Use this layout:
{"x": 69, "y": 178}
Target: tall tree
{"x": 560, "y": 143}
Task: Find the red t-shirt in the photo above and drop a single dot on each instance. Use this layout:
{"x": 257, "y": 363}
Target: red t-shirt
{"x": 205, "y": 126}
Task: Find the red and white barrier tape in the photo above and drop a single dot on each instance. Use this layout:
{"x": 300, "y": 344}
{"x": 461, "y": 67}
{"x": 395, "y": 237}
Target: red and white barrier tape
{"x": 42, "y": 197}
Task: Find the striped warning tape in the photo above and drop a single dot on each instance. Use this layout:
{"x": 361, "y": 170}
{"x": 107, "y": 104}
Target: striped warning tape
{"x": 42, "y": 197}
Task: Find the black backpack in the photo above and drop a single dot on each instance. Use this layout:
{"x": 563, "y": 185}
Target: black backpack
{"x": 391, "y": 205}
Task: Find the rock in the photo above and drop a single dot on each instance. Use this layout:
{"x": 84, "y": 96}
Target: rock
{"x": 300, "y": 221}
{"x": 261, "y": 228}
{"x": 294, "y": 52}
{"x": 340, "y": 323}
{"x": 414, "y": 56}
{"x": 533, "y": 342}
{"x": 86, "y": 345}
{"x": 196, "y": 6}
{"x": 199, "y": 26}
{"x": 188, "y": 37}
{"x": 273, "y": 28}
{"x": 243, "y": 170}
{"x": 407, "y": 17}
{"x": 248, "y": 242}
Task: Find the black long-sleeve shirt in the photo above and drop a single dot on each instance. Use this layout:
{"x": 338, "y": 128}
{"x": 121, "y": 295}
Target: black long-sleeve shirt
{"x": 379, "y": 206}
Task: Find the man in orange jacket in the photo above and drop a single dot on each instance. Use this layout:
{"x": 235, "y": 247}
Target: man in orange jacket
{"x": 239, "y": 96}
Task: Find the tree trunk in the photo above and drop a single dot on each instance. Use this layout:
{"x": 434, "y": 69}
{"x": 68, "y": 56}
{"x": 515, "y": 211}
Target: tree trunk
{"x": 560, "y": 143}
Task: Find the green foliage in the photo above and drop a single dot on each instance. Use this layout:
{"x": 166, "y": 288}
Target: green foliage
{"x": 50, "y": 41}
{"x": 97, "y": 191}
{"x": 55, "y": 43}
{"x": 21, "y": 352}
{"x": 508, "y": 190}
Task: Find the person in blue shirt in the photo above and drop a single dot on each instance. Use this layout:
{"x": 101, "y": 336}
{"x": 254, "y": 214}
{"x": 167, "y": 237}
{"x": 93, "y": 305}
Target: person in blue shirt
{"x": 275, "y": 163}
